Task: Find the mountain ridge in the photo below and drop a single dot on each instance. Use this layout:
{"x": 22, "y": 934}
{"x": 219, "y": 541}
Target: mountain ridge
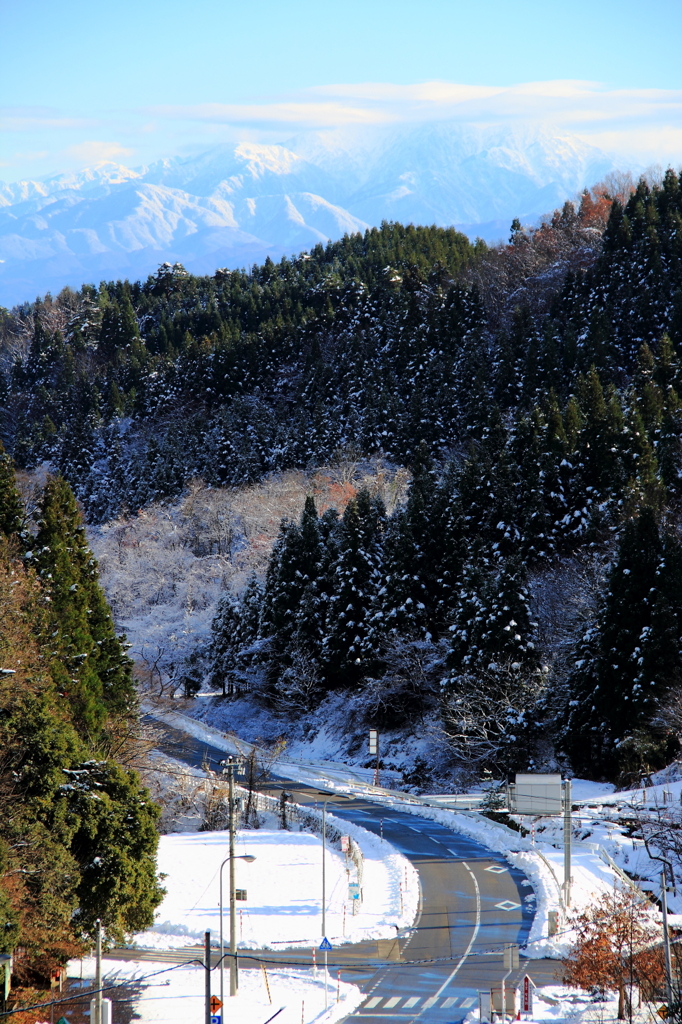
{"x": 237, "y": 203}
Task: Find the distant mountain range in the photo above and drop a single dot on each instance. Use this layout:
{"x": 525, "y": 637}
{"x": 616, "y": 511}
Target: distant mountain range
{"x": 235, "y": 204}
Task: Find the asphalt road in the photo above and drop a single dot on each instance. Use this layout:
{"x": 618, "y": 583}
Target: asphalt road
{"x": 473, "y": 902}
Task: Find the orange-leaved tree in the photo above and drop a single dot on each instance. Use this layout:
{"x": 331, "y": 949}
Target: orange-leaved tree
{"x": 617, "y": 946}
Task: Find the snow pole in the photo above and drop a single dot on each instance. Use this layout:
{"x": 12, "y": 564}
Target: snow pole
{"x": 326, "y": 982}
{"x": 338, "y": 986}
{"x": 666, "y": 940}
{"x": 267, "y": 983}
{"x": 344, "y": 919}
{"x": 314, "y": 963}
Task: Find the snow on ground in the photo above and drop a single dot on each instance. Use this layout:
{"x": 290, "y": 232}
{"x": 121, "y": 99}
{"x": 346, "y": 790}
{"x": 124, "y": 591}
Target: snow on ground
{"x": 559, "y": 1004}
{"x": 542, "y": 863}
{"x": 284, "y": 890}
{"x": 176, "y": 994}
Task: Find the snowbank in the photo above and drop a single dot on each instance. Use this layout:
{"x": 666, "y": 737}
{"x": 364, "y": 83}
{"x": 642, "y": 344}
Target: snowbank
{"x": 175, "y": 995}
{"x": 284, "y": 890}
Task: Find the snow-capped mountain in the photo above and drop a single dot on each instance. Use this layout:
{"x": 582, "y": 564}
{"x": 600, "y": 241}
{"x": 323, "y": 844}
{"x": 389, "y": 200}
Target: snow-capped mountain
{"x": 235, "y": 204}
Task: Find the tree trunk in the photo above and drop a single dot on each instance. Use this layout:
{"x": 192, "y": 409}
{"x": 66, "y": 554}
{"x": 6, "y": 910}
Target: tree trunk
{"x": 621, "y": 1002}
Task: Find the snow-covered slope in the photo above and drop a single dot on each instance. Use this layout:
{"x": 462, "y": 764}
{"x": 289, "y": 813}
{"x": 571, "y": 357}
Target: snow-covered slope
{"x": 236, "y": 204}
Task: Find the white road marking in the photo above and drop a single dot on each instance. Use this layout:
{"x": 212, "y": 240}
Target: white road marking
{"x": 450, "y": 1001}
{"x": 471, "y": 1001}
{"x": 508, "y": 905}
{"x": 412, "y": 1001}
{"x": 371, "y": 1003}
{"x": 393, "y": 1001}
{"x": 431, "y": 1001}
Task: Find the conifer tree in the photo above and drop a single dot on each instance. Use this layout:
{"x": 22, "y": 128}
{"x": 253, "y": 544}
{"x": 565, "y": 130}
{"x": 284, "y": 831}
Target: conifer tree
{"x": 89, "y": 665}
{"x": 492, "y": 623}
{"x": 410, "y": 593}
{"x": 349, "y": 650}
{"x": 631, "y": 656}
{"x": 11, "y": 506}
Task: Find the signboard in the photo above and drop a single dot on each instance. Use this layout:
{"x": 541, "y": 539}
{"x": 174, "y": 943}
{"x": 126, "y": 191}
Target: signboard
{"x": 373, "y": 741}
{"x": 345, "y": 844}
{"x": 527, "y": 995}
{"x": 538, "y": 794}
{"x": 240, "y": 894}
{"x": 484, "y": 1006}
{"x": 215, "y": 1018}
{"x": 325, "y": 945}
{"x": 354, "y": 890}
{"x": 511, "y": 1000}
{"x": 215, "y": 1004}
{"x": 511, "y": 958}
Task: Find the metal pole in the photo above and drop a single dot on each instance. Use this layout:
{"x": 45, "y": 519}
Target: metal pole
{"x": 222, "y": 942}
{"x": 326, "y": 977}
{"x": 233, "y": 906}
{"x": 567, "y": 840}
{"x": 98, "y": 972}
{"x": 207, "y": 976}
{"x": 324, "y": 876}
{"x": 666, "y": 943}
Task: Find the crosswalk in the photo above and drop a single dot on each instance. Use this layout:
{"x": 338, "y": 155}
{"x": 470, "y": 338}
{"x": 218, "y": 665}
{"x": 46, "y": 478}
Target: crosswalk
{"x": 417, "y": 1002}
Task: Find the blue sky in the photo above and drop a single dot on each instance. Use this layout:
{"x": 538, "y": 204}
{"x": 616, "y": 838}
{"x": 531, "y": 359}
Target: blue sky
{"x": 132, "y": 81}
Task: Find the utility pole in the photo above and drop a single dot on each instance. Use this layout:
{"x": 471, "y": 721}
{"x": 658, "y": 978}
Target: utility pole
{"x": 207, "y": 976}
{"x": 567, "y": 841}
{"x": 98, "y": 972}
{"x": 324, "y": 870}
{"x": 666, "y": 942}
{"x": 234, "y": 978}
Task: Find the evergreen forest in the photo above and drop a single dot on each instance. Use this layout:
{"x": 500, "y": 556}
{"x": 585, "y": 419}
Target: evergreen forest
{"x": 78, "y": 832}
{"x": 529, "y": 590}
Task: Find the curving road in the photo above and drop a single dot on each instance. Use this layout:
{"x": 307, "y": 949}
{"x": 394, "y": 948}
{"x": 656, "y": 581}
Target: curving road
{"x": 473, "y": 902}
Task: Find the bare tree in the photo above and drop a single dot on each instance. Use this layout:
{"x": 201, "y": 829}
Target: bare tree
{"x": 484, "y": 712}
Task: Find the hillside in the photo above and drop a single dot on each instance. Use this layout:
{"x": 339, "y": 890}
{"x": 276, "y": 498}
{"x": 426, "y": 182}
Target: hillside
{"x": 526, "y": 595}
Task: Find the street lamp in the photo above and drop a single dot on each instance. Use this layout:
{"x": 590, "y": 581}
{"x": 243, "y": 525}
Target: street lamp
{"x": 230, "y": 765}
{"x": 249, "y": 858}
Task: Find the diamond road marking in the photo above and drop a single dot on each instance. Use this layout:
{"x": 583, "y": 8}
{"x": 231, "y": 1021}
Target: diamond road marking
{"x": 412, "y": 1001}
{"x": 449, "y": 1002}
{"x": 371, "y": 1003}
{"x": 393, "y": 1001}
{"x": 508, "y": 905}
{"x": 497, "y": 869}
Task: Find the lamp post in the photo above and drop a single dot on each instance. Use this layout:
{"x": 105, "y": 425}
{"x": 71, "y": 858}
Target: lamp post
{"x": 249, "y": 858}
{"x": 229, "y": 766}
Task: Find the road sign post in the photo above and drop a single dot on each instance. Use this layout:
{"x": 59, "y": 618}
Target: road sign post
{"x": 374, "y": 749}
{"x": 568, "y": 830}
{"x": 527, "y": 995}
{"x": 326, "y": 946}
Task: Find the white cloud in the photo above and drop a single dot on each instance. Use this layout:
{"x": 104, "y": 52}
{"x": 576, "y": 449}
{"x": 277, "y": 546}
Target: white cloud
{"x": 97, "y": 152}
{"x": 307, "y": 114}
{"x": 634, "y": 121}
